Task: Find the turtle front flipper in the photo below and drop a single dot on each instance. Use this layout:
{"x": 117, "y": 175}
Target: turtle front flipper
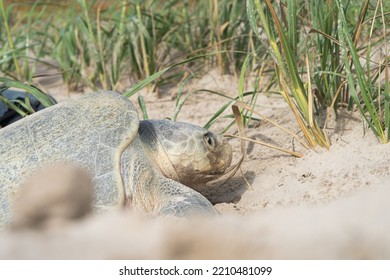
{"x": 175, "y": 199}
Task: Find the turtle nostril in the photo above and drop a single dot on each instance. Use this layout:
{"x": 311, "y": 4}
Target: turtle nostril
{"x": 209, "y": 140}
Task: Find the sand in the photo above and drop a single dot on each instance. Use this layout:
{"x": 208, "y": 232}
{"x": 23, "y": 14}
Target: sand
{"x": 329, "y": 204}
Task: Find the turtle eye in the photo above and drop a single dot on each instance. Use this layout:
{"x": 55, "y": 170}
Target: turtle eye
{"x": 209, "y": 139}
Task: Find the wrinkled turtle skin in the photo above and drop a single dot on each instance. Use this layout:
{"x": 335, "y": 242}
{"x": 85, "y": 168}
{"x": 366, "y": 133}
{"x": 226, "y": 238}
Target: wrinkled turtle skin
{"x": 143, "y": 164}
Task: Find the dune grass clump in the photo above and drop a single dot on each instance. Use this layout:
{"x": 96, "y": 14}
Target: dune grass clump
{"x": 99, "y": 44}
{"x": 318, "y": 54}
{"x": 114, "y": 44}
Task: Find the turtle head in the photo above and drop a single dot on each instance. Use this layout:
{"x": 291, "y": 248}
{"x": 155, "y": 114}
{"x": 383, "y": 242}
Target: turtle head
{"x": 186, "y": 153}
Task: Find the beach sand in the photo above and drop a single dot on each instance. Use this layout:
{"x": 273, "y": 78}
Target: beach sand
{"x": 330, "y": 204}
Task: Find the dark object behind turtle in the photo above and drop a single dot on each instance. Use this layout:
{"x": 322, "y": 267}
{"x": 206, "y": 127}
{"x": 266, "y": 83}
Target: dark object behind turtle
{"x": 7, "y": 115}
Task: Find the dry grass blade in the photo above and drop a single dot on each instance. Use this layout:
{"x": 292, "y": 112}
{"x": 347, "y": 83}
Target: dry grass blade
{"x": 247, "y": 107}
{"x": 295, "y": 154}
{"x": 330, "y": 109}
{"x": 240, "y": 126}
{"x": 241, "y": 130}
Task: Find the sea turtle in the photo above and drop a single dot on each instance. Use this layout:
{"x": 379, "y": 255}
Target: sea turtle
{"x": 134, "y": 162}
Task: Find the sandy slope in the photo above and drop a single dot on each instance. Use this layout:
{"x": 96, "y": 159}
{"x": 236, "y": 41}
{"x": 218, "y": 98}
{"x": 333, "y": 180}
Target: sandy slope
{"x": 329, "y": 204}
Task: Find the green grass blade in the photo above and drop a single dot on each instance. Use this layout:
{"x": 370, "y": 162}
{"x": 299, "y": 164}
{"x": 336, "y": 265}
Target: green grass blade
{"x": 367, "y": 103}
{"x": 142, "y": 105}
{"x": 145, "y": 82}
{"x": 10, "y": 38}
{"x": 43, "y": 98}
